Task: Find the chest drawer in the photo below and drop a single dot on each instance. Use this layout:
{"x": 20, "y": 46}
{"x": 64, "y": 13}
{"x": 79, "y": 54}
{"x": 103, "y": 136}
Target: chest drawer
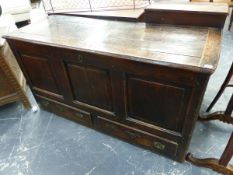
{"x": 152, "y": 142}
{"x": 69, "y": 112}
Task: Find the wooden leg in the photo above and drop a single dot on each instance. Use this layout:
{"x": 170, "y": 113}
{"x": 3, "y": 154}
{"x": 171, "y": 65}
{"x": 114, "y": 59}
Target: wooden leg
{"x": 14, "y": 75}
{"x": 216, "y": 97}
{"x": 229, "y": 108}
{"x": 222, "y": 165}
{"x": 231, "y": 21}
{"x": 228, "y": 153}
{"x": 224, "y": 85}
{"x": 217, "y": 116}
{"x": 222, "y": 116}
{"x": 210, "y": 163}
{"x": 23, "y": 97}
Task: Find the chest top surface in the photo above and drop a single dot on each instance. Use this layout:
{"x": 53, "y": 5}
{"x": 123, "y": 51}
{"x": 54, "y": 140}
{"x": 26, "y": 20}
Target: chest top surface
{"x": 195, "y": 48}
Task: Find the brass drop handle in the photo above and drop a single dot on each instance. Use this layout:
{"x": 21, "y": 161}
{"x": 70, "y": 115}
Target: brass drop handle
{"x": 132, "y": 134}
{"x": 159, "y": 145}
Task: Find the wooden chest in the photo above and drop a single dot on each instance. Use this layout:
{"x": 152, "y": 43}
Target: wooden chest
{"x": 140, "y": 82}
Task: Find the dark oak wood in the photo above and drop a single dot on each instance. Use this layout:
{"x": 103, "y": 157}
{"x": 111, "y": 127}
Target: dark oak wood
{"x": 196, "y": 14}
{"x": 139, "y": 82}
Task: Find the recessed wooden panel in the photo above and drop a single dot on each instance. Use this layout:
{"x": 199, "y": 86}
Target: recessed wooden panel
{"x": 91, "y": 85}
{"x": 40, "y": 73}
{"x": 156, "y": 103}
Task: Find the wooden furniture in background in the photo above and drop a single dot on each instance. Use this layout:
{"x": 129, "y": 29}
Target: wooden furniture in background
{"x": 222, "y": 165}
{"x": 220, "y": 115}
{"x": 139, "y": 82}
{"x": 231, "y": 19}
{"x": 229, "y": 2}
{"x": 12, "y": 82}
{"x": 197, "y": 14}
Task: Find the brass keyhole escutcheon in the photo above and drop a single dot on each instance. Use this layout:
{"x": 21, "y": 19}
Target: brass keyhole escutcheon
{"x": 60, "y": 108}
{"x": 80, "y": 58}
{"x": 159, "y": 145}
{"x": 45, "y": 103}
{"x": 112, "y": 127}
{"x": 79, "y": 115}
{"x": 132, "y": 134}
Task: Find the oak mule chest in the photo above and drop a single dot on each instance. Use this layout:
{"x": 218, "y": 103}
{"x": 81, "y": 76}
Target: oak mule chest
{"x": 140, "y": 82}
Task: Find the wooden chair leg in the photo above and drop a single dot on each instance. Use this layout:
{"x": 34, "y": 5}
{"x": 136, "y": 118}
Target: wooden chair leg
{"x": 231, "y": 21}
{"x": 216, "y": 98}
{"x": 222, "y": 165}
{"x": 228, "y": 152}
{"x": 224, "y": 116}
{"x": 224, "y": 85}
{"x": 229, "y": 108}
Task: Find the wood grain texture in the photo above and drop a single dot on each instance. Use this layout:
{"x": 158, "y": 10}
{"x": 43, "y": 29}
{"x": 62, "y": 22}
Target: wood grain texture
{"x": 12, "y": 82}
{"x": 157, "y": 44}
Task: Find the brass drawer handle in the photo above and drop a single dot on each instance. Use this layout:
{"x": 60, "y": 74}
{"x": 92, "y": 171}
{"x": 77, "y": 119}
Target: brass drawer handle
{"x": 80, "y": 58}
{"x": 159, "y": 145}
{"x": 132, "y": 134}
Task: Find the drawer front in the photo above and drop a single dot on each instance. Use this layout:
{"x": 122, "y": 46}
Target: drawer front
{"x": 152, "y": 142}
{"x": 71, "y": 113}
